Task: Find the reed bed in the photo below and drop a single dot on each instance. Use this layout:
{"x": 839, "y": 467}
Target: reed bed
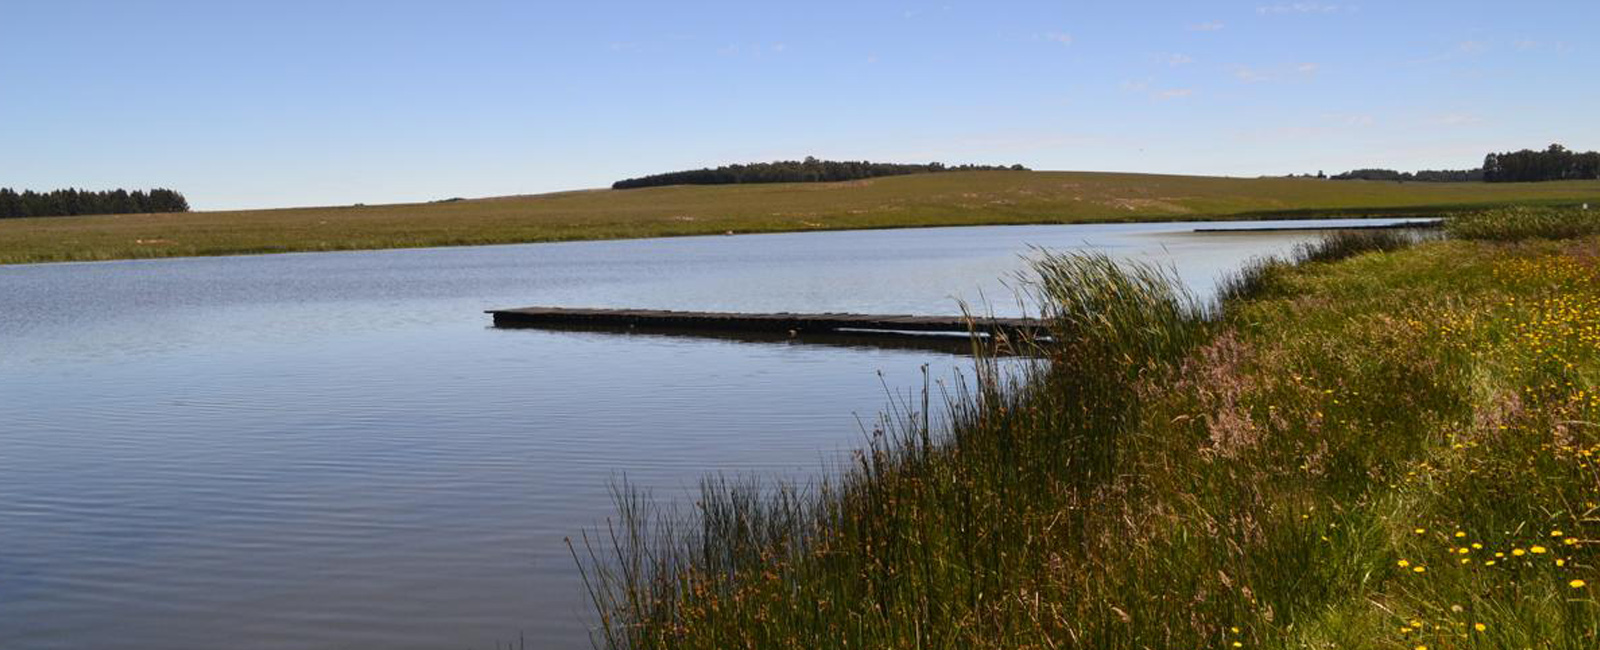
{"x": 1526, "y": 222}
{"x": 1378, "y": 446}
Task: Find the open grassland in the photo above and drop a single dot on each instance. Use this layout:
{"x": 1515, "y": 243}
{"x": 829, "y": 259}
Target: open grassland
{"x": 1382, "y": 446}
{"x": 945, "y": 199}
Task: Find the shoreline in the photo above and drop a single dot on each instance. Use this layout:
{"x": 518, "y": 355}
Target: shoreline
{"x": 1179, "y": 219}
{"x": 1373, "y": 440}
{"x": 950, "y": 199}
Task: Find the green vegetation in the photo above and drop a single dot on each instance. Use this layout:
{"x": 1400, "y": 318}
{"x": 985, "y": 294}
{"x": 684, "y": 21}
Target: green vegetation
{"x": 71, "y": 202}
{"x": 1526, "y": 166}
{"x": 1384, "y": 447}
{"x": 809, "y": 170}
{"x": 948, "y": 199}
{"x": 1554, "y": 163}
{"x": 1509, "y": 224}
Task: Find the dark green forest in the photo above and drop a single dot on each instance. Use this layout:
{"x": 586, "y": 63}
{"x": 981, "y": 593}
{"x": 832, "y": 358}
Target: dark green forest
{"x": 1425, "y": 175}
{"x": 809, "y": 170}
{"x": 1555, "y": 163}
{"x": 68, "y": 202}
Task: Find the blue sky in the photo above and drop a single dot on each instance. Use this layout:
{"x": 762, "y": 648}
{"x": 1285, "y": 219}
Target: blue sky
{"x": 268, "y": 104}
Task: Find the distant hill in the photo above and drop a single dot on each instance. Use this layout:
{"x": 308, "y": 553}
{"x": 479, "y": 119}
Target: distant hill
{"x": 941, "y": 199}
{"x": 809, "y": 170}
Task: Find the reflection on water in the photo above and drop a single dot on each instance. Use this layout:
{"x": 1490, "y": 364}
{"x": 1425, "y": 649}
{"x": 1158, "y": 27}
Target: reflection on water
{"x": 336, "y": 450}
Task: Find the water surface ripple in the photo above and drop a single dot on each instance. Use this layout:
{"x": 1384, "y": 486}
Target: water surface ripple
{"x": 335, "y": 450}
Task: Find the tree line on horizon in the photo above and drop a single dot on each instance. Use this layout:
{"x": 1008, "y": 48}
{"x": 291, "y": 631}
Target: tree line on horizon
{"x": 69, "y": 202}
{"x": 1554, "y": 163}
{"x": 810, "y": 170}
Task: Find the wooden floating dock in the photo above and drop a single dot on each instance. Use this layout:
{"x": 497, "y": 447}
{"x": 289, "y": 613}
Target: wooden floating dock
{"x": 1433, "y": 223}
{"x": 780, "y": 322}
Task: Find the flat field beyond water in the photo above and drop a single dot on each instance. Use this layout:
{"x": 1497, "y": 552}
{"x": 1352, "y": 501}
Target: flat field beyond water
{"x": 944, "y": 199}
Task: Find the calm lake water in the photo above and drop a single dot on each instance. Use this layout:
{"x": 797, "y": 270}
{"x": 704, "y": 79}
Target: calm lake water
{"x": 335, "y": 450}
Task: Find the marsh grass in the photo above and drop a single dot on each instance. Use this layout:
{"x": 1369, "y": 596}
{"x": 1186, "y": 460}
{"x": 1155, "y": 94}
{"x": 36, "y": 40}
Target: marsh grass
{"x": 1255, "y": 278}
{"x": 1526, "y": 222}
{"x": 1159, "y": 474}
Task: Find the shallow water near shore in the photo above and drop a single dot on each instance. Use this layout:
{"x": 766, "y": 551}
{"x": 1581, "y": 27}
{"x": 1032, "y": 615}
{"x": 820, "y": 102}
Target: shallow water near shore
{"x": 332, "y": 450}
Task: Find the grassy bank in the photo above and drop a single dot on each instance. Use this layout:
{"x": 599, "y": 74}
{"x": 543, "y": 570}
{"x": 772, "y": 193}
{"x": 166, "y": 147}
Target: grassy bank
{"x": 1381, "y": 447}
{"x": 961, "y": 198}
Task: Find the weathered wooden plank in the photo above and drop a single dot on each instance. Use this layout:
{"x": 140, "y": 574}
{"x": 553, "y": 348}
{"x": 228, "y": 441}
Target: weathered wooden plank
{"x": 1410, "y": 225}
{"x": 777, "y": 322}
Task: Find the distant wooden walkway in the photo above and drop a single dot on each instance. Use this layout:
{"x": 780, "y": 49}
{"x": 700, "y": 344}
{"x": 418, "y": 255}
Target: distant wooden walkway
{"x": 1432, "y": 223}
{"x": 780, "y": 322}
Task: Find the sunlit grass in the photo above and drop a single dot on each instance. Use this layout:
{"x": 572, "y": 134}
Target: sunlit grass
{"x": 1380, "y": 446}
{"x": 945, "y": 199}
{"x": 1525, "y": 222}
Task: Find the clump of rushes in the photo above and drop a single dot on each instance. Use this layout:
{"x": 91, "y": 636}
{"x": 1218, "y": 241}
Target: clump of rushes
{"x": 1352, "y": 458}
{"x": 1524, "y": 222}
{"x": 1256, "y": 277}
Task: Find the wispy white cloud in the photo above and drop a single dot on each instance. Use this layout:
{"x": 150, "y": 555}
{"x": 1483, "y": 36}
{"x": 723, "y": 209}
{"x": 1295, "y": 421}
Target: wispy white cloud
{"x": 1208, "y": 26}
{"x": 1525, "y": 44}
{"x": 1304, "y": 8}
{"x": 1462, "y": 49}
{"x": 1059, "y": 37}
{"x": 754, "y": 50}
{"x": 1146, "y": 88}
{"x": 1250, "y": 75}
{"x": 1327, "y": 125}
{"x": 1176, "y": 60}
{"x": 1455, "y": 119}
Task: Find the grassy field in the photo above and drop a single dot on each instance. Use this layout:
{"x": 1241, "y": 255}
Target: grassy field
{"x": 945, "y": 199}
{"x": 1378, "y": 446}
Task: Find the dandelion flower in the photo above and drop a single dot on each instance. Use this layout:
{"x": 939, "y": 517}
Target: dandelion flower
{"x": 1460, "y": 534}
{"x": 1403, "y": 563}
{"x": 1420, "y": 531}
{"x": 1518, "y": 552}
{"x": 1536, "y": 549}
{"x": 1561, "y": 562}
{"x": 1555, "y": 533}
{"x": 1420, "y": 569}
{"x": 1479, "y": 627}
{"x": 1577, "y": 584}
